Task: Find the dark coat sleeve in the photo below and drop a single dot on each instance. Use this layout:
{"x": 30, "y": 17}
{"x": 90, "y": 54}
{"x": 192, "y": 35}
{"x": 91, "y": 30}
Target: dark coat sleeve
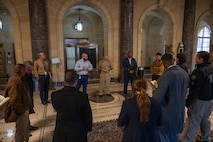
{"x": 18, "y": 96}
{"x": 54, "y": 102}
{"x": 88, "y": 114}
{"x": 125, "y": 65}
{"x": 135, "y": 65}
{"x": 195, "y": 86}
{"x": 123, "y": 118}
{"x": 160, "y": 94}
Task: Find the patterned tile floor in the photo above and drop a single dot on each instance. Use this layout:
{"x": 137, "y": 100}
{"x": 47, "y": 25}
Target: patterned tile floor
{"x": 44, "y": 118}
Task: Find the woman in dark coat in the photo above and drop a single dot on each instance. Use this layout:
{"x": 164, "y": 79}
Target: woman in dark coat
{"x": 141, "y": 115}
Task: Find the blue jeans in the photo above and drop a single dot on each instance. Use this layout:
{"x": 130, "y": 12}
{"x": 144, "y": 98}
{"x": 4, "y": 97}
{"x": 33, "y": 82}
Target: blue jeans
{"x": 165, "y": 137}
{"x": 198, "y": 116}
{"x": 82, "y": 80}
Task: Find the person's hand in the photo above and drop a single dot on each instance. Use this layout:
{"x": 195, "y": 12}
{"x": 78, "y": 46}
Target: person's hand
{"x": 189, "y": 107}
{"x": 105, "y": 70}
{"x": 153, "y": 86}
{"x": 85, "y": 68}
{"x": 35, "y": 78}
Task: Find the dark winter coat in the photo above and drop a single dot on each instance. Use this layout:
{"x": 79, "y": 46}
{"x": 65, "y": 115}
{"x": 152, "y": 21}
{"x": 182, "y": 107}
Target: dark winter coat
{"x": 74, "y": 115}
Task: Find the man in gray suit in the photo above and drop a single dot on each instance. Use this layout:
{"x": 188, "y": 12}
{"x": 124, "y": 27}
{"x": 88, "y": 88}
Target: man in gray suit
{"x": 171, "y": 93}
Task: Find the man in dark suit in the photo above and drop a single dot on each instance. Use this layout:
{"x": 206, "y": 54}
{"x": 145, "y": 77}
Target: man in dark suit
{"x": 130, "y": 66}
{"x": 74, "y": 115}
{"x": 29, "y": 81}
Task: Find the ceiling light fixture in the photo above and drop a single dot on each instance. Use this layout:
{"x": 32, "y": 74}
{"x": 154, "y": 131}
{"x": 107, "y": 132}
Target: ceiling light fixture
{"x": 79, "y": 24}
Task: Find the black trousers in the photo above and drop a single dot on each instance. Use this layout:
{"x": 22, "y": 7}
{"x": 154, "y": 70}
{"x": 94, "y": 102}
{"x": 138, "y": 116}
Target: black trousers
{"x": 44, "y": 87}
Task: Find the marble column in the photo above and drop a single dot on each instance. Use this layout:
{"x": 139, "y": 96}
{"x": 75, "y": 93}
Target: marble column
{"x": 38, "y": 27}
{"x": 188, "y": 29}
{"x": 126, "y": 31}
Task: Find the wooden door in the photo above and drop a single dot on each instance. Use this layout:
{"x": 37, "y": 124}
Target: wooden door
{"x": 2, "y": 62}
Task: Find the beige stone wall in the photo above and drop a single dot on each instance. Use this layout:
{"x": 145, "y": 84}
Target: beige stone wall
{"x": 110, "y": 14}
{"x": 174, "y": 10}
{"x": 19, "y": 12}
{"x": 56, "y": 12}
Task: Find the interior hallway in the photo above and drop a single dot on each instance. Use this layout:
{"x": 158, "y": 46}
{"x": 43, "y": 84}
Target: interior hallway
{"x": 104, "y": 117}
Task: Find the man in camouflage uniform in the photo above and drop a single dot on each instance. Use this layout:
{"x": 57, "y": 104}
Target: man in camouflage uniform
{"x": 104, "y": 67}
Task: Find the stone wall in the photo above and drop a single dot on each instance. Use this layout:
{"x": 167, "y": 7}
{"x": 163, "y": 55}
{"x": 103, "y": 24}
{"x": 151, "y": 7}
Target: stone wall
{"x": 171, "y": 12}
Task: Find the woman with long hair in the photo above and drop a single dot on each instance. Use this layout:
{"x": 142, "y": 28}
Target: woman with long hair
{"x": 141, "y": 115}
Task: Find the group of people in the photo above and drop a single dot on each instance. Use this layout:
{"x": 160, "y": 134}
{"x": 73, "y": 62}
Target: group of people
{"x": 83, "y": 66}
{"x": 160, "y": 118}
{"x": 155, "y": 117}
{"x": 20, "y": 90}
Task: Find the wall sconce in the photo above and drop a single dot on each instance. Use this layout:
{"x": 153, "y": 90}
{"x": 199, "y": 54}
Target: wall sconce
{"x": 1, "y": 24}
{"x": 79, "y": 24}
{"x": 180, "y": 48}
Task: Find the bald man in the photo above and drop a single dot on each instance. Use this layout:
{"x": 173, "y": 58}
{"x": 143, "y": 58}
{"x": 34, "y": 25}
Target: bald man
{"x": 82, "y": 67}
{"x": 130, "y": 67}
{"x": 104, "y": 67}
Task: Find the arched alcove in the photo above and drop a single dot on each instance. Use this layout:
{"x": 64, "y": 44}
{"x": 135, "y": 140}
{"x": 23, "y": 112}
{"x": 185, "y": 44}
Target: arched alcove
{"x": 204, "y": 20}
{"x": 90, "y": 39}
{"x": 106, "y": 19}
{"x": 157, "y": 35}
{"x": 7, "y": 51}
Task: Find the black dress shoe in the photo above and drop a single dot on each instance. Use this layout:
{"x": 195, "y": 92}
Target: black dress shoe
{"x": 48, "y": 102}
{"x": 108, "y": 94}
{"x": 31, "y": 128}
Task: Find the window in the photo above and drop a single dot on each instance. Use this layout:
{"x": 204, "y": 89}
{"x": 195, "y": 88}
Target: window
{"x": 1, "y": 25}
{"x": 203, "y": 42}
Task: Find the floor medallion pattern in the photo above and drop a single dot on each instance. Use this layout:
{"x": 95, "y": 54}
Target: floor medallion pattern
{"x": 105, "y": 114}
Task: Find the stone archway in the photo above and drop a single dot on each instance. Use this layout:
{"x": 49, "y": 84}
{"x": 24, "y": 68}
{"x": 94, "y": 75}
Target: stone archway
{"x": 8, "y": 38}
{"x": 161, "y": 20}
{"x": 90, "y": 39}
{"x": 21, "y": 37}
{"x": 59, "y": 44}
{"x": 157, "y": 34}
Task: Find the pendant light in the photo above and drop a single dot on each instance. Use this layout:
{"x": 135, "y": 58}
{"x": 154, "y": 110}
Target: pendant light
{"x": 79, "y": 24}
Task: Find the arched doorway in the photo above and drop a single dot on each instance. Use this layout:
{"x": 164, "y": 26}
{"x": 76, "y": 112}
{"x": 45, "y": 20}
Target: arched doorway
{"x": 7, "y": 54}
{"x": 157, "y": 35}
{"x": 89, "y": 40}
